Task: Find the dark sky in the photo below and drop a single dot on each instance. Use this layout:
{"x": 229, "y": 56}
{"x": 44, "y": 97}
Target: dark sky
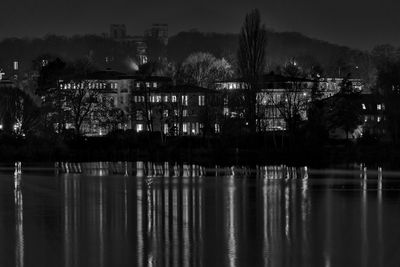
{"x": 356, "y": 23}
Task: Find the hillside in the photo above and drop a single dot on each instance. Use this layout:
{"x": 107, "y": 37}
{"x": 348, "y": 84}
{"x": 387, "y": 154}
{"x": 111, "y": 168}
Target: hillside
{"x": 282, "y": 46}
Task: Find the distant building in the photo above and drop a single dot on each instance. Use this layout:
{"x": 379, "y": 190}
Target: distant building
{"x": 331, "y": 86}
{"x": 374, "y": 115}
{"x": 118, "y": 31}
{"x": 273, "y": 90}
{"x": 158, "y": 31}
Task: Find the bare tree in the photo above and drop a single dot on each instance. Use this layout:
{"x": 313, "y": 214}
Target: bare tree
{"x": 251, "y": 60}
{"x": 203, "y": 69}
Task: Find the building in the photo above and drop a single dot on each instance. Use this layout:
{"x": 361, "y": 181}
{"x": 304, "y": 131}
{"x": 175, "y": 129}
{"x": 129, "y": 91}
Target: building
{"x": 277, "y": 96}
{"x": 175, "y": 110}
{"x": 158, "y": 31}
{"x": 118, "y": 32}
{"x": 147, "y": 104}
{"x": 113, "y": 90}
{"x": 331, "y": 86}
{"x": 374, "y": 115}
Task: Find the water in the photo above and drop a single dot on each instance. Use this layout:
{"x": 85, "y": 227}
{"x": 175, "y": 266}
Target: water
{"x": 165, "y": 215}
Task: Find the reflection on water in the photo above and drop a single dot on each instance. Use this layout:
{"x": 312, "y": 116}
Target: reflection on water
{"x": 187, "y": 215}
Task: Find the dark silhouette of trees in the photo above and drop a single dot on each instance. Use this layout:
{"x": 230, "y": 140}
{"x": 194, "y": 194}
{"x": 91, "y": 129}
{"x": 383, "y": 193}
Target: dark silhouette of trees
{"x": 345, "y": 109}
{"x": 252, "y": 60}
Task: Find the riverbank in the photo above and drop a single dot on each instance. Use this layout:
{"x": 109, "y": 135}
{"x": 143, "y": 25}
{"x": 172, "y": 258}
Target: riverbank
{"x": 224, "y": 150}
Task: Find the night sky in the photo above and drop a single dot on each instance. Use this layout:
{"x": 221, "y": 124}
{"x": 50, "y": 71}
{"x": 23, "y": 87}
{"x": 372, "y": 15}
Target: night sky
{"x": 356, "y": 23}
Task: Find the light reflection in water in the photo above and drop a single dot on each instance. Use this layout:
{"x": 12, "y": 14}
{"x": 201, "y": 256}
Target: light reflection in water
{"x": 177, "y": 215}
{"x": 19, "y": 218}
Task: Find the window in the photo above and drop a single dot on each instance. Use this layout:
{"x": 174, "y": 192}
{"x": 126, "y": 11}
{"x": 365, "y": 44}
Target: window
{"x": 166, "y": 99}
{"x": 139, "y": 115}
{"x": 185, "y": 113}
{"x": 158, "y": 98}
{"x": 217, "y": 128}
{"x": 152, "y": 99}
{"x": 201, "y": 100}
{"x": 155, "y": 85}
{"x": 378, "y": 119}
{"x": 166, "y": 128}
{"x": 175, "y": 112}
{"x": 137, "y": 85}
{"x": 185, "y": 100}
{"x": 139, "y": 127}
{"x": 174, "y": 98}
{"x": 165, "y": 113}
{"x": 147, "y": 84}
{"x": 379, "y": 107}
{"x": 185, "y": 128}
{"x": 365, "y": 118}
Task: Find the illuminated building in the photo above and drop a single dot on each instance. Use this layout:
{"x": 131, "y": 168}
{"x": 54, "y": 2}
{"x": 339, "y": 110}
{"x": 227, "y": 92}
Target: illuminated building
{"x": 273, "y": 92}
{"x": 174, "y": 110}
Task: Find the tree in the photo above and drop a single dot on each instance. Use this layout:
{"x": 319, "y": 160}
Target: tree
{"x": 251, "y": 60}
{"x": 203, "y": 69}
{"x": 345, "y": 108}
{"x": 18, "y": 112}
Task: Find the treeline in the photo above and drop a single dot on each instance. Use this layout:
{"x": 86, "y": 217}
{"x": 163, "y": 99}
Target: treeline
{"x": 282, "y": 47}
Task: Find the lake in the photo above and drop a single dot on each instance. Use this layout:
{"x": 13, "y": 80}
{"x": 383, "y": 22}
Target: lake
{"x": 147, "y": 214}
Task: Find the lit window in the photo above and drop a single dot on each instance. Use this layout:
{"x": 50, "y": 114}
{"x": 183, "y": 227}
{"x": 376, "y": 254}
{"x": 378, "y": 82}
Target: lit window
{"x": 174, "y": 98}
{"x": 116, "y": 85}
{"x": 184, "y": 113}
{"x": 139, "y": 127}
{"x": 216, "y": 128}
{"x": 147, "y": 84}
{"x": 363, "y": 106}
{"x": 166, "y": 98}
{"x": 166, "y": 128}
{"x": 379, "y": 107}
{"x": 365, "y": 118}
{"x": 137, "y": 85}
{"x": 226, "y": 111}
{"x": 152, "y": 99}
{"x": 155, "y": 85}
{"x": 158, "y": 98}
{"x": 201, "y": 100}
{"x": 185, "y": 128}
{"x": 185, "y": 100}
{"x": 378, "y": 119}
{"x": 135, "y": 99}
{"x": 175, "y": 112}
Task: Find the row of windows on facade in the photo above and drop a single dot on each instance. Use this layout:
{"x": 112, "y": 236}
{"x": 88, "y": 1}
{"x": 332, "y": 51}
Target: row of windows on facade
{"x": 165, "y": 113}
{"x": 372, "y": 118}
{"x": 187, "y": 128}
{"x": 147, "y": 84}
{"x": 166, "y": 99}
{"x": 90, "y": 85}
{"x": 378, "y": 106}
